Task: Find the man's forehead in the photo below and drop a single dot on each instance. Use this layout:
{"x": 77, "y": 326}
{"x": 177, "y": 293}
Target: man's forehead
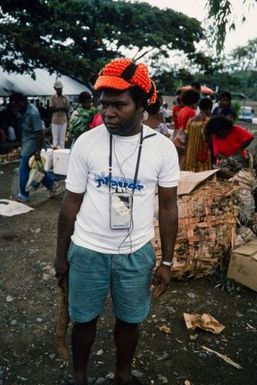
{"x": 115, "y": 95}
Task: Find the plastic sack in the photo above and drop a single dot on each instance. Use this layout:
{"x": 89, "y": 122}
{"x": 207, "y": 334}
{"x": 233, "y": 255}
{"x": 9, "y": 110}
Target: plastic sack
{"x": 36, "y": 174}
{"x": 35, "y": 178}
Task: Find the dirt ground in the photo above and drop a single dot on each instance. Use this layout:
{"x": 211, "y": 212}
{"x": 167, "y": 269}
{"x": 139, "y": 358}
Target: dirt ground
{"x": 28, "y": 312}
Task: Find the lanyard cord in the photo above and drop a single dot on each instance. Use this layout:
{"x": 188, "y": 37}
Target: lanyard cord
{"x": 110, "y": 163}
{"x": 137, "y": 164}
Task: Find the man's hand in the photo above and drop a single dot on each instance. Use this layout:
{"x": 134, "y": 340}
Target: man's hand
{"x": 161, "y": 280}
{"x": 61, "y": 270}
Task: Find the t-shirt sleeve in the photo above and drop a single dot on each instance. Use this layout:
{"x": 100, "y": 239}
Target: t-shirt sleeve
{"x": 169, "y": 172}
{"x": 77, "y": 175}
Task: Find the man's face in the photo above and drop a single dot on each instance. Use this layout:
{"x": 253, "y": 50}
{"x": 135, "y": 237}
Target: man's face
{"x": 120, "y": 113}
{"x": 19, "y": 106}
{"x": 58, "y": 91}
{"x": 224, "y": 102}
{"x": 87, "y": 104}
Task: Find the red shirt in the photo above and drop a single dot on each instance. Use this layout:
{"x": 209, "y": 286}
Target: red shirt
{"x": 184, "y": 115}
{"x": 175, "y": 111}
{"x": 96, "y": 121}
{"x": 232, "y": 142}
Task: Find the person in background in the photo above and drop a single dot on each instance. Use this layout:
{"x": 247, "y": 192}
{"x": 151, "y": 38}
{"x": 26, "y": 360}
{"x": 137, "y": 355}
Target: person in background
{"x": 9, "y": 125}
{"x": 32, "y": 143}
{"x": 190, "y": 100}
{"x": 155, "y": 118}
{"x": 214, "y": 98}
{"x": 166, "y": 112}
{"x": 226, "y": 138}
{"x": 59, "y": 106}
{"x": 84, "y": 117}
{"x": 196, "y": 86}
{"x": 175, "y": 111}
{"x": 41, "y": 109}
{"x": 105, "y": 224}
{"x": 96, "y": 121}
{"x": 85, "y": 102}
{"x": 224, "y": 107}
{"x": 197, "y": 149}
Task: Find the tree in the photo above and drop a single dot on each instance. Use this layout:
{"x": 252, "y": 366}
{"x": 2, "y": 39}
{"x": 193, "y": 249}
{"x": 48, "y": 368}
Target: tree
{"x": 245, "y": 57}
{"x": 221, "y": 14}
{"x": 77, "y": 37}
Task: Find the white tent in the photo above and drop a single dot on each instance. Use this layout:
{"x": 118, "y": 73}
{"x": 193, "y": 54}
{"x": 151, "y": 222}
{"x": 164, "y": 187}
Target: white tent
{"x": 41, "y": 86}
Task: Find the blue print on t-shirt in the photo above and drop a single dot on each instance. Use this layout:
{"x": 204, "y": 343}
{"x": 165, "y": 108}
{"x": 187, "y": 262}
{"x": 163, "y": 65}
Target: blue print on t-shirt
{"x": 117, "y": 182}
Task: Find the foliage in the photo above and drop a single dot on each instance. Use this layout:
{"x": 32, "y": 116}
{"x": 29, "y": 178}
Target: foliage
{"x": 221, "y": 17}
{"x": 235, "y": 81}
{"x": 245, "y": 57}
{"x": 77, "y": 37}
{"x": 236, "y": 107}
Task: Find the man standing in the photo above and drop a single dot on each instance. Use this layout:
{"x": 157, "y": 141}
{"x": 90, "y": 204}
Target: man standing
{"x": 32, "y": 142}
{"x": 105, "y": 224}
{"x": 59, "y": 106}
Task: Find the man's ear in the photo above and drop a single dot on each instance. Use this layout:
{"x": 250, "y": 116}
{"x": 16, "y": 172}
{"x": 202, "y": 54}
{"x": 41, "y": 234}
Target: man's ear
{"x": 140, "y": 107}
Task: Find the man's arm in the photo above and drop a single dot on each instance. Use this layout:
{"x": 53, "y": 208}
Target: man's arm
{"x": 168, "y": 225}
{"x": 39, "y": 144}
{"x": 54, "y": 108}
{"x": 52, "y": 105}
{"x": 69, "y": 209}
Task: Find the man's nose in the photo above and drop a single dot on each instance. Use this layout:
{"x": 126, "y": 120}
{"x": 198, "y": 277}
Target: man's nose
{"x": 110, "y": 111}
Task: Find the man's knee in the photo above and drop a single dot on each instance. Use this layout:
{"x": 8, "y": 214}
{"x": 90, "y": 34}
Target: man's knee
{"x": 126, "y": 325}
{"x": 86, "y": 325}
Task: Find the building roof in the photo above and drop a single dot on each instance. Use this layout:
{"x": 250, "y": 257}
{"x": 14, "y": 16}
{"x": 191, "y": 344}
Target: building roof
{"x": 42, "y": 85}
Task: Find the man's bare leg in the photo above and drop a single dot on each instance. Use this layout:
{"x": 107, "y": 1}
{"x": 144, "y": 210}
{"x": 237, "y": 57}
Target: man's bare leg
{"x": 126, "y": 338}
{"x": 83, "y": 336}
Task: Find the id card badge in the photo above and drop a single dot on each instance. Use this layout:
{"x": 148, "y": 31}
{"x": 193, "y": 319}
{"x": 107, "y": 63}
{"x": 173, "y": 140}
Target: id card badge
{"x": 120, "y": 211}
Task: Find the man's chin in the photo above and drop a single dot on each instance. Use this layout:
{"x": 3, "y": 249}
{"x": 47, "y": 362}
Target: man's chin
{"x": 115, "y": 130}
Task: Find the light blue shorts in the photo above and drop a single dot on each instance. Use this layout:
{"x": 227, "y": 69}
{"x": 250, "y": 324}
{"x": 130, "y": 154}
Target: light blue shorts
{"x": 127, "y": 277}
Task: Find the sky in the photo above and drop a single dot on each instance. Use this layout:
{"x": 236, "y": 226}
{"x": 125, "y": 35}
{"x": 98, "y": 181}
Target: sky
{"x": 196, "y": 8}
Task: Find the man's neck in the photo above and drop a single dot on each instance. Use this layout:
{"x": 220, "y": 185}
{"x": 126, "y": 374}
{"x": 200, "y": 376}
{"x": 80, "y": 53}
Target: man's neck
{"x": 135, "y": 131}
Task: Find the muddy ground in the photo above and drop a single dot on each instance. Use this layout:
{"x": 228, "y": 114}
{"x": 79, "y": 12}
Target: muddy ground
{"x": 28, "y": 312}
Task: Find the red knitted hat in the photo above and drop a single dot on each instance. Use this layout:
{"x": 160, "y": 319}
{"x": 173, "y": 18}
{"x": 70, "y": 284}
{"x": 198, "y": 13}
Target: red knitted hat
{"x": 122, "y": 74}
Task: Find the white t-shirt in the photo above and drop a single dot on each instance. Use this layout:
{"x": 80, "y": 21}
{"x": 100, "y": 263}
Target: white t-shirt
{"x": 89, "y": 172}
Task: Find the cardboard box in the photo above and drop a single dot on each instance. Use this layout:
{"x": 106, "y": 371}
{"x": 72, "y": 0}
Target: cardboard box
{"x": 243, "y": 265}
{"x": 61, "y": 161}
{"x": 48, "y": 155}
